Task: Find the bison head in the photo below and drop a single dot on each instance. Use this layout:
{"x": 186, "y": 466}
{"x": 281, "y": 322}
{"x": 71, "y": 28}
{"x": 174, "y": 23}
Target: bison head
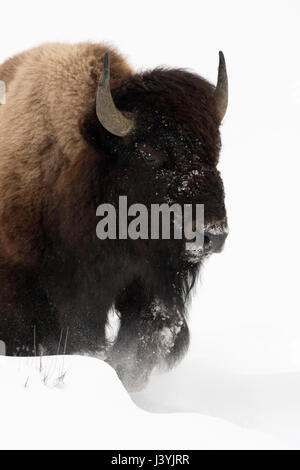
{"x": 160, "y": 139}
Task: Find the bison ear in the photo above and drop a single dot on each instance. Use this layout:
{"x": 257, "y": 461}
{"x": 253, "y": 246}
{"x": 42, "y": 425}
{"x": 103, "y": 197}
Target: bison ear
{"x": 91, "y": 131}
{"x": 221, "y": 92}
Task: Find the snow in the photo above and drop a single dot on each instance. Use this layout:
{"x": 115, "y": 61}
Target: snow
{"x": 75, "y": 402}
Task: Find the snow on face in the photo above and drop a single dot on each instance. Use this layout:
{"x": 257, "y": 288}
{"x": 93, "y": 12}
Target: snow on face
{"x": 172, "y": 324}
{"x": 168, "y": 336}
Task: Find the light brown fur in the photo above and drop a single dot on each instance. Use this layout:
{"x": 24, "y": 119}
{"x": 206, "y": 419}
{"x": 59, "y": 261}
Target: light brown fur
{"x": 49, "y": 90}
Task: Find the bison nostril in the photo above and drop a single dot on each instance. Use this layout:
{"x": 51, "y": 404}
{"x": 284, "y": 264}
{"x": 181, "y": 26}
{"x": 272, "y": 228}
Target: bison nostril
{"x": 214, "y": 242}
{"x": 206, "y": 242}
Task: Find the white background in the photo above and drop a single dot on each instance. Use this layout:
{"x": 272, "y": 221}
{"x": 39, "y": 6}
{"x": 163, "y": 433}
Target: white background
{"x": 244, "y": 361}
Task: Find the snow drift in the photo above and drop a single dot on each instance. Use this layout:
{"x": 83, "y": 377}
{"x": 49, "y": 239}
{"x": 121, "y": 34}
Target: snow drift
{"x": 75, "y": 402}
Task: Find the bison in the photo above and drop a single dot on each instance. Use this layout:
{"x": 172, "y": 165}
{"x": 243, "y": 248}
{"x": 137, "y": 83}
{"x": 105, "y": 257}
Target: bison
{"x": 80, "y": 128}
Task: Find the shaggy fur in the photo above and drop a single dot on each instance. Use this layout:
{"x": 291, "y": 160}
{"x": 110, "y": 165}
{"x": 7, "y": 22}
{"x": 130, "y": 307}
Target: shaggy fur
{"x": 57, "y": 164}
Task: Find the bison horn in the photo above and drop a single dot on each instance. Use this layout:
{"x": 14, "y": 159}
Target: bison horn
{"x": 221, "y": 92}
{"x": 110, "y": 117}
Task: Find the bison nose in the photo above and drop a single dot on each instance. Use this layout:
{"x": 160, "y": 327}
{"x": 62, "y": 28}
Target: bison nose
{"x": 214, "y": 240}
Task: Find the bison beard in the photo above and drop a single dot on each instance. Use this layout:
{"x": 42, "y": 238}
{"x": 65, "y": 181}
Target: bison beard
{"x": 58, "y": 163}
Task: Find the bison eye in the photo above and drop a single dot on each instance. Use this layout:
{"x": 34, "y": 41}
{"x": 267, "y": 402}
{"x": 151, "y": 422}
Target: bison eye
{"x": 149, "y": 157}
{"x": 153, "y": 157}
